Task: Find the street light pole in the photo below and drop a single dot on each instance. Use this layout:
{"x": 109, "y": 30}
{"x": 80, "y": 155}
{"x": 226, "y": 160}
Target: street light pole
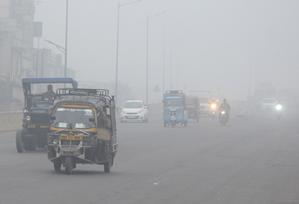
{"x": 117, "y": 40}
{"x": 164, "y": 27}
{"x": 148, "y": 17}
{"x": 62, "y": 49}
{"x": 66, "y": 34}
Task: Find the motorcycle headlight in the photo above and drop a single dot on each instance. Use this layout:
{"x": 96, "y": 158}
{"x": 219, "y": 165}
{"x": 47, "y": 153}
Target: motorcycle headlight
{"x": 278, "y": 107}
{"x": 213, "y": 106}
{"x": 222, "y": 112}
{"x": 27, "y": 118}
{"x": 25, "y": 111}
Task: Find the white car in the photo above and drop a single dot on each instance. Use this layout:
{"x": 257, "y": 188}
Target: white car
{"x": 134, "y": 111}
{"x": 268, "y": 104}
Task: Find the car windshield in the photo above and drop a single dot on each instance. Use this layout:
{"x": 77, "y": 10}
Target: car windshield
{"x": 173, "y": 102}
{"x": 203, "y": 100}
{"x": 269, "y": 100}
{"x": 133, "y": 105}
{"x": 189, "y": 102}
{"x": 79, "y": 117}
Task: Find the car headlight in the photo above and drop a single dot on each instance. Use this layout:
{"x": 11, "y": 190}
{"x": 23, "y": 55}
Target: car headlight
{"x": 222, "y": 112}
{"x": 278, "y": 107}
{"x": 123, "y": 111}
{"x": 141, "y": 111}
{"x": 27, "y": 118}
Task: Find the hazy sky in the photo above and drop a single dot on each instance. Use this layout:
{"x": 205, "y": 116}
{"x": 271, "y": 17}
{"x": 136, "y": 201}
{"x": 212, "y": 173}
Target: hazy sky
{"x": 214, "y": 44}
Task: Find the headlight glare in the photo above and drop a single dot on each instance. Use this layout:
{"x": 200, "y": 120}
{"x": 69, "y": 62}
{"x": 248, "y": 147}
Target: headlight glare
{"x": 222, "y": 112}
{"x": 55, "y": 142}
{"x": 278, "y": 107}
{"x": 28, "y": 118}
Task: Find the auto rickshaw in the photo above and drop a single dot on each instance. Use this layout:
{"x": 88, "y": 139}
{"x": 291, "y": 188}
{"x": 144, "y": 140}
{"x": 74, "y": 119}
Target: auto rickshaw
{"x": 192, "y": 107}
{"x": 174, "y": 108}
{"x": 36, "y": 114}
{"x": 83, "y": 129}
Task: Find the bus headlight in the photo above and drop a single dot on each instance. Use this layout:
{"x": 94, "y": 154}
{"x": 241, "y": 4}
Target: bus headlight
{"x": 27, "y": 118}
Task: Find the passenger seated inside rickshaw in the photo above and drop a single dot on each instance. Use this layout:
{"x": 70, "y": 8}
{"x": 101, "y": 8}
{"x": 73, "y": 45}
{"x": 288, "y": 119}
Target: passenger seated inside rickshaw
{"x": 104, "y": 132}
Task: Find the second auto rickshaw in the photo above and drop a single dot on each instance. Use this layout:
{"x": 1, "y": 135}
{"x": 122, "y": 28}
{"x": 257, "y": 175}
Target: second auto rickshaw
{"x": 83, "y": 129}
{"x": 192, "y": 107}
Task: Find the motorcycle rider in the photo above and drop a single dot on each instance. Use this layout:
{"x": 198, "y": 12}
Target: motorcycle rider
{"x": 50, "y": 94}
{"x": 224, "y": 107}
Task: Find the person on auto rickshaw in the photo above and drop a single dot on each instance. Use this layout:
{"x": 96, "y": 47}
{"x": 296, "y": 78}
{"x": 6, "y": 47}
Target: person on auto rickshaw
{"x": 104, "y": 125}
{"x": 50, "y": 94}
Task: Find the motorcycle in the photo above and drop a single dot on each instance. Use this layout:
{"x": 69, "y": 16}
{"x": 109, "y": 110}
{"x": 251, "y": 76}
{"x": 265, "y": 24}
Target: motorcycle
{"x": 223, "y": 118}
{"x": 278, "y": 111}
{"x": 213, "y": 107}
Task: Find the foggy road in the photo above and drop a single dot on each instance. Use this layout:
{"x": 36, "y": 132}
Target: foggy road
{"x": 251, "y": 160}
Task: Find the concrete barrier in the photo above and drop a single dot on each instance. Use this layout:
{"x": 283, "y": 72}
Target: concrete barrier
{"x": 10, "y": 121}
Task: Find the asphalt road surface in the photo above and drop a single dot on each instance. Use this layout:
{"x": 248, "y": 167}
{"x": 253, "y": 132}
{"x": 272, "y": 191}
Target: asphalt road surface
{"x": 249, "y": 161}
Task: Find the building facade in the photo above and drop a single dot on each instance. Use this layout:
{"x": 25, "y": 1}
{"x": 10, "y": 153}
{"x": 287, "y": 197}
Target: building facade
{"x": 16, "y": 46}
{"x": 18, "y": 58}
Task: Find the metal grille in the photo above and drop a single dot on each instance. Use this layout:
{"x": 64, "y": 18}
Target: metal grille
{"x": 136, "y": 117}
{"x": 131, "y": 113}
{"x": 70, "y": 142}
{"x": 40, "y": 118}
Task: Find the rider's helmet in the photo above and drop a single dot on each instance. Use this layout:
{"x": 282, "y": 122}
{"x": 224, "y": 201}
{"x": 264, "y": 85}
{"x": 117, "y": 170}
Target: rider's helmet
{"x": 50, "y": 88}
{"x": 224, "y": 100}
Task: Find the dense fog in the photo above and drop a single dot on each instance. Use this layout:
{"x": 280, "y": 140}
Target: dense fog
{"x": 226, "y": 46}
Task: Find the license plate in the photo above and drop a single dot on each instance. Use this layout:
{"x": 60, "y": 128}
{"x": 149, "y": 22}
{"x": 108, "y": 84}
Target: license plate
{"x": 70, "y": 137}
{"x": 131, "y": 116}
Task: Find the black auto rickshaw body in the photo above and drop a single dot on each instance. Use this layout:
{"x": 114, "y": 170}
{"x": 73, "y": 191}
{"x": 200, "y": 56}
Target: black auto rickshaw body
{"x": 36, "y": 114}
{"x": 83, "y": 129}
{"x": 192, "y": 107}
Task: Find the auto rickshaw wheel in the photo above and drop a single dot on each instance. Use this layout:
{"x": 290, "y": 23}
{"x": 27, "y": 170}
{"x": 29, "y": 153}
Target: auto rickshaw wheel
{"x": 19, "y": 142}
{"x": 29, "y": 145}
{"x": 57, "y": 166}
{"x": 68, "y": 163}
{"x": 107, "y": 166}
